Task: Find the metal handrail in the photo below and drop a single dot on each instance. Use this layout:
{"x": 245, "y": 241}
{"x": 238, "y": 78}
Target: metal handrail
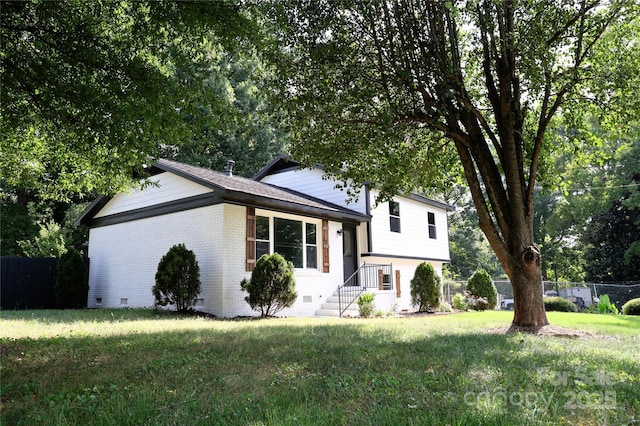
{"x": 368, "y": 275}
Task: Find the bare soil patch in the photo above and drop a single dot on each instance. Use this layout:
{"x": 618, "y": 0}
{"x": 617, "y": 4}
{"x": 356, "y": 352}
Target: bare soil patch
{"x": 546, "y": 331}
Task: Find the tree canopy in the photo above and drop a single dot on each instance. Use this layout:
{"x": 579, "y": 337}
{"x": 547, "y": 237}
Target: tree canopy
{"x": 89, "y": 89}
{"x": 401, "y": 91}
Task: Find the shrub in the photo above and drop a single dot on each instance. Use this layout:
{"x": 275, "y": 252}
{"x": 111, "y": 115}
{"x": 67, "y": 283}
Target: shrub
{"x": 445, "y": 307}
{"x": 71, "y": 287}
{"x": 477, "y": 303}
{"x": 632, "y": 307}
{"x": 272, "y": 285}
{"x": 459, "y": 302}
{"x": 365, "y": 304}
{"x": 481, "y": 285}
{"x": 605, "y": 306}
{"x": 425, "y": 287}
{"x": 177, "y": 279}
{"x": 48, "y": 243}
{"x": 559, "y": 304}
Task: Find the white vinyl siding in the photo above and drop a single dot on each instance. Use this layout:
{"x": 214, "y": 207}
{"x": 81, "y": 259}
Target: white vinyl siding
{"x": 310, "y": 182}
{"x": 414, "y": 241}
{"x": 165, "y": 187}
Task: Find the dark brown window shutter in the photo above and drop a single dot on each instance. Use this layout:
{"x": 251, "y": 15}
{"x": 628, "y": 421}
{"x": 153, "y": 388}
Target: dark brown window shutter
{"x": 325, "y": 246}
{"x": 251, "y": 239}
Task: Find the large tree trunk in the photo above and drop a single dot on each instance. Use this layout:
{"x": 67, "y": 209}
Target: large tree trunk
{"x": 509, "y": 231}
{"x": 526, "y": 280}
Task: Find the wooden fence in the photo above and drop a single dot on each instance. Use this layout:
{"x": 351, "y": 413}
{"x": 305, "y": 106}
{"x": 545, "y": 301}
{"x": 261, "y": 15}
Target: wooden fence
{"x": 27, "y": 283}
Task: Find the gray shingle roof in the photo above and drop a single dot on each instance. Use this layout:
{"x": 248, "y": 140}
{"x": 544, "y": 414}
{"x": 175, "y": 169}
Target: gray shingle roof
{"x": 226, "y": 189}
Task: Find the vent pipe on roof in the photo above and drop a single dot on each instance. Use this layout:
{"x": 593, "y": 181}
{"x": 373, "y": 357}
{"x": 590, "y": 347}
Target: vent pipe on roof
{"x": 230, "y": 165}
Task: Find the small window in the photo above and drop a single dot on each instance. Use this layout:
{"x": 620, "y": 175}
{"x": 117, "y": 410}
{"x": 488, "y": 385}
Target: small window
{"x": 262, "y": 236}
{"x": 312, "y": 245}
{"x": 394, "y": 216}
{"x": 98, "y": 300}
{"x": 432, "y": 225}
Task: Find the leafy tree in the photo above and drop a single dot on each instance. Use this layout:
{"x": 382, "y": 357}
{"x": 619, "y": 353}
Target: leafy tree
{"x": 481, "y": 285}
{"x": 425, "y": 288}
{"x": 596, "y": 201}
{"x": 48, "y": 243}
{"x": 613, "y": 254}
{"x": 234, "y": 120}
{"x": 397, "y": 92}
{"x": 272, "y": 285}
{"x": 177, "y": 279}
{"x": 468, "y": 247}
{"x": 89, "y": 89}
{"x": 17, "y": 223}
{"x": 72, "y": 284}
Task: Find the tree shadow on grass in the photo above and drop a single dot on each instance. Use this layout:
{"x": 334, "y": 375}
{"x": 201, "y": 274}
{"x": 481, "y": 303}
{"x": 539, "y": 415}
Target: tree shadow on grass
{"x": 342, "y": 373}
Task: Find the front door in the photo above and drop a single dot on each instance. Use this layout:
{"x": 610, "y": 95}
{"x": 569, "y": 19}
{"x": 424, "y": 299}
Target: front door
{"x": 349, "y": 253}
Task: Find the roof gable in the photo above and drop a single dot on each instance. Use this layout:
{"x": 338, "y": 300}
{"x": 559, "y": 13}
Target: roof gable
{"x": 229, "y": 189}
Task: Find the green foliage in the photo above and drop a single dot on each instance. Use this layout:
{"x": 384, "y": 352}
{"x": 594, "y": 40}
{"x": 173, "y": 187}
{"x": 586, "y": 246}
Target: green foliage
{"x": 72, "y": 283}
{"x": 605, "y": 306}
{"x": 90, "y": 89}
{"x": 425, "y": 287}
{"x": 272, "y": 285}
{"x": 236, "y": 119}
{"x": 481, "y": 285}
{"x": 460, "y": 302}
{"x": 475, "y": 302}
{"x": 559, "y": 304}
{"x": 307, "y": 366}
{"x": 177, "y": 279}
{"x": 17, "y": 224}
{"x": 443, "y": 99}
{"x": 613, "y": 251}
{"x": 48, "y": 243}
{"x": 468, "y": 246}
{"x": 365, "y": 304}
{"x": 632, "y": 307}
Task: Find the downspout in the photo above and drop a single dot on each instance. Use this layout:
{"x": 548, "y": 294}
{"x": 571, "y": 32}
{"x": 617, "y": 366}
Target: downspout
{"x": 367, "y": 200}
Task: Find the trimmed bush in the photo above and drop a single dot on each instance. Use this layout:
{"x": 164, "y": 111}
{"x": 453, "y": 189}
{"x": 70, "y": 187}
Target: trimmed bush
{"x": 460, "y": 302}
{"x": 365, "y": 304}
{"x": 477, "y": 303}
{"x": 632, "y": 307}
{"x": 481, "y": 285}
{"x": 425, "y": 287}
{"x": 272, "y": 286}
{"x": 72, "y": 286}
{"x": 177, "y": 279}
{"x": 559, "y": 304}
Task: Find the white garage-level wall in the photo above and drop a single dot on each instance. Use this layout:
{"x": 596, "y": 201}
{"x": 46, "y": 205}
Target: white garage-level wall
{"x": 124, "y": 260}
{"x": 124, "y": 257}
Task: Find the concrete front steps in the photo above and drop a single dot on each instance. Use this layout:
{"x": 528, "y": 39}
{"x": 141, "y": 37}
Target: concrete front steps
{"x": 331, "y": 308}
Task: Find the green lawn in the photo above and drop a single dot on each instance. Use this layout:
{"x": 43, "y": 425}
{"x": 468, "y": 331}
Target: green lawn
{"x": 119, "y": 367}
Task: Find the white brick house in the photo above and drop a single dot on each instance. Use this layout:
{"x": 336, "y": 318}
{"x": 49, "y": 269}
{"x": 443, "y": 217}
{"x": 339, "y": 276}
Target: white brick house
{"x": 229, "y": 221}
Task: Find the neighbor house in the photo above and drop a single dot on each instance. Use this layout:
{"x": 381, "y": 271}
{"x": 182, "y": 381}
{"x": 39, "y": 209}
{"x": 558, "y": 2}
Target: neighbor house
{"x": 339, "y": 249}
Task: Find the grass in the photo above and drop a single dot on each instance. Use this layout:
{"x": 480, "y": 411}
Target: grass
{"x": 116, "y": 367}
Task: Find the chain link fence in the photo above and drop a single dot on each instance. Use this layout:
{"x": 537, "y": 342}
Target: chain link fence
{"x": 583, "y": 294}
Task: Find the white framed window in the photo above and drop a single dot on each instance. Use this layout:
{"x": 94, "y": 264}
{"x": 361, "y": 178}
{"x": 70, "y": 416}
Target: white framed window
{"x": 295, "y": 240}
{"x": 394, "y": 216}
{"x": 263, "y": 236}
{"x": 311, "y": 240}
{"x": 431, "y": 219}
